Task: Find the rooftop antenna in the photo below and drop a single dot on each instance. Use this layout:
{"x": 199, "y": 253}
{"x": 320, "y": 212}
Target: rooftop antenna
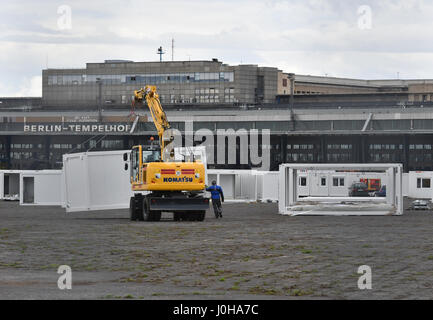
{"x": 160, "y": 52}
{"x": 172, "y": 49}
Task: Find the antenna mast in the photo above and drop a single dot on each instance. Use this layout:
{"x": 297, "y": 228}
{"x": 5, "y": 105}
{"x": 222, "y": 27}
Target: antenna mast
{"x": 172, "y": 49}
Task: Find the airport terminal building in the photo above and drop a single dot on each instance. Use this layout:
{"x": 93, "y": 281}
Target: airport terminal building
{"x": 311, "y": 119}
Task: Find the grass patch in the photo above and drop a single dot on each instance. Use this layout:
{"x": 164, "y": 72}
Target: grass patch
{"x": 264, "y": 291}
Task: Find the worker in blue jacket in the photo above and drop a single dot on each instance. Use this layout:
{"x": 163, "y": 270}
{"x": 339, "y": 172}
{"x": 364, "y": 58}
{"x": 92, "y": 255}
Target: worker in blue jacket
{"x": 217, "y": 195}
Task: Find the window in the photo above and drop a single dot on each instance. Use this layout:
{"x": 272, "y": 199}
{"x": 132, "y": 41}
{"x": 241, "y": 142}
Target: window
{"x": 323, "y": 181}
{"x": 151, "y": 156}
{"x": 422, "y": 183}
{"x": 303, "y": 181}
{"x": 335, "y": 182}
{"x": 338, "y": 182}
{"x": 112, "y": 144}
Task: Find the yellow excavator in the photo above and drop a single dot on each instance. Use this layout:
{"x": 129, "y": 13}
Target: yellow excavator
{"x": 169, "y": 185}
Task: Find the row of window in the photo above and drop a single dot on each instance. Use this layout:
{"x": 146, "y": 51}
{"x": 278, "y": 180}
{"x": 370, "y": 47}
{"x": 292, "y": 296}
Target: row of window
{"x": 400, "y": 146}
{"x": 141, "y": 78}
{"x": 420, "y": 147}
{"x": 68, "y": 146}
{"x": 385, "y": 146}
{"x": 385, "y": 157}
{"x": 300, "y": 146}
{"x": 339, "y": 146}
{"x": 339, "y": 157}
{"x": 370, "y": 146}
{"x": 300, "y": 157}
{"x": 423, "y": 183}
{"x": 374, "y": 157}
{"x": 336, "y": 182}
{"x": 198, "y": 99}
{"x": 63, "y": 146}
{"x": 26, "y": 146}
{"x": 25, "y": 155}
{"x": 39, "y": 146}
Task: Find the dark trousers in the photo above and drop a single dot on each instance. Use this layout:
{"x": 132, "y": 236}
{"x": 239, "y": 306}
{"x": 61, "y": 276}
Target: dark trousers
{"x": 216, "y": 203}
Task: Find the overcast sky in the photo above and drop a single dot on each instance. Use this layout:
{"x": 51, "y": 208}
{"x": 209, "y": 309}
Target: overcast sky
{"x": 317, "y": 37}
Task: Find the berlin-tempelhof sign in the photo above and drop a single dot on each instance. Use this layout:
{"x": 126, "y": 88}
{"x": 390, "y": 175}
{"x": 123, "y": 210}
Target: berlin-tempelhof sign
{"x": 77, "y": 128}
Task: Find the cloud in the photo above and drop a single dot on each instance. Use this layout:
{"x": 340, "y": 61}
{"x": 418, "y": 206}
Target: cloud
{"x": 29, "y": 87}
{"x": 302, "y": 36}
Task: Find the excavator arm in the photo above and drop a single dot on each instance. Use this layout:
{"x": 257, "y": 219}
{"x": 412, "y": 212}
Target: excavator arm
{"x": 158, "y": 115}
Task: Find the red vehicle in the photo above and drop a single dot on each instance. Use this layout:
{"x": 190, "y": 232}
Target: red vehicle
{"x": 372, "y": 184}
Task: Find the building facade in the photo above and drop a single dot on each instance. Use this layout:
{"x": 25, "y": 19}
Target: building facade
{"x": 37, "y": 140}
{"x": 310, "y": 119}
{"x": 112, "y": 83}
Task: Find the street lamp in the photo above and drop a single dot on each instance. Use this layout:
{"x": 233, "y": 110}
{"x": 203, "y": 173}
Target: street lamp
{"x": 99, "y": 82}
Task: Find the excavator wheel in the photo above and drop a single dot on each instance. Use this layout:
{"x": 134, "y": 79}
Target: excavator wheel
{"x": 132, "y": 209}
{"x": 146, "y": 214}
{"x": 135, "y": 208}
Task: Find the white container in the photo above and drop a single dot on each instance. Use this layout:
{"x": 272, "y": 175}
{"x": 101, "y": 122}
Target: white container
{"x": 290, "y": 202}
{"x": 96, "y": 181}
{"x": 405, "y": 184}
{"x": 267, "y": 185}
{"x": 420, "y": 184}
{"x": 41, "y": 187}
{"x": 237, "y": 185}
{"x": 10, "y": 184}
{"x": 330, "y": 183}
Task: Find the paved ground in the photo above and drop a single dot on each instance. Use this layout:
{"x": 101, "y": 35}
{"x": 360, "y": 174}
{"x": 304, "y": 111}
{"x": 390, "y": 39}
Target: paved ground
{"x": 251, "y": 253}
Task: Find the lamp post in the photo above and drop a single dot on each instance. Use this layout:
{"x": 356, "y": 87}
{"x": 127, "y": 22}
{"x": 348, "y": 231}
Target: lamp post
{"x": 99, "y": 82}
{"x": 291, "y": 100}
{"x": 292, "y": 90}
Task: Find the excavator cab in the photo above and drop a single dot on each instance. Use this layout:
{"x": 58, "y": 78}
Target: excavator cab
{"x": 140, "y": 156}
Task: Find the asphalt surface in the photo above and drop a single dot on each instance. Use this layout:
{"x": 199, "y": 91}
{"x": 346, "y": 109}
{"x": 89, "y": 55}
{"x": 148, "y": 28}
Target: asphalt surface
{"x": 252, "y": 253}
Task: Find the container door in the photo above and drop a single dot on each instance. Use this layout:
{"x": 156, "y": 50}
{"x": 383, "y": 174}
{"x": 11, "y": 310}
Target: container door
{"x": 29, "y": 190}
{"x": 303, "y": 188}
{"x": 323, "y": 188}
{"x": 5, "y": 185}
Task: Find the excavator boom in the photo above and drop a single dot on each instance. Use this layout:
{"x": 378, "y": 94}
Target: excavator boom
{"x": 156, "y": 111}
